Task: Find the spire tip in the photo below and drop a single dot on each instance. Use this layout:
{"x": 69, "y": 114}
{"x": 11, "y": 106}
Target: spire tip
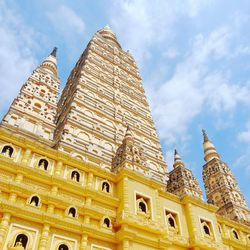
{"x": 53, "y": 53}
{"x": 205, "y": 137}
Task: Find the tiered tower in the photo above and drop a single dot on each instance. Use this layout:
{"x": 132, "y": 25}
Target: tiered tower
{"x": 182, "y": 181}
{"x": 221, "y": 186}
{"x": 104, "y": 95}
{"x": 33, "y": 112}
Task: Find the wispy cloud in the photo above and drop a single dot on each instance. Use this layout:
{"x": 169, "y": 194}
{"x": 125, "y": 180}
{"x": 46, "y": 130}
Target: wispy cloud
{"x": 150, "y": 24}
{"x": 196, "y": 87}
{"x": 66, "y": 21}
{"x": 16, "y": 54}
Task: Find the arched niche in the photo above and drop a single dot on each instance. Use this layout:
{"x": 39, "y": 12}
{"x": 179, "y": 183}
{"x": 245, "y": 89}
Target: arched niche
{"x": 105, "y": 187}
{"x": 75, "y": 176}
{"x": 43, "y": 164}
{"x": 72, "y": 212}
{"x": 7, "y": 150}
{"x": 21, "y": 241}
{"x": 34, "y": 201}
{"x": 63, "y": 247}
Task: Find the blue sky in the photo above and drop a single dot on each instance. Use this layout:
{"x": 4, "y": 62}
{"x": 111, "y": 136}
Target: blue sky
{"x": 193, "y": 55}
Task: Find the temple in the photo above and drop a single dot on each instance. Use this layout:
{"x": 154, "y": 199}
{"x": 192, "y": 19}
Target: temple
{"x": 85, "y": 170}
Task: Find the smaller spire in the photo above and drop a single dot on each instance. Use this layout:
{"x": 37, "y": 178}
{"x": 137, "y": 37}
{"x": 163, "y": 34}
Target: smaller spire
{"x": 50, "y": 63}
{"x": 209, "y": 149}
{"x": 181, "y": 180}
{"x": 53, "y": 53}
{"x": 177, "y": 160}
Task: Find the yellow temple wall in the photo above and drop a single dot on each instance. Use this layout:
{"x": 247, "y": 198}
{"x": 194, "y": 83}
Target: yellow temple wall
{"x": 48, "y": 224}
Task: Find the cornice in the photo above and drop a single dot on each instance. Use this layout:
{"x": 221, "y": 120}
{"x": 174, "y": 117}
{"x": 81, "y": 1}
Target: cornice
{"x": 139, "y": 178}
{"x": 199, "y": 203}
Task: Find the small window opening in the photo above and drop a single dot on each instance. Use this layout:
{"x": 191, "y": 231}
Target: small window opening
{"x": 34, "y": 201}
{"x": 7, "y": 151}
{"x": 63, "y": 247}
{"x": 72, "y": 212}
{"x": 105, "y": 187}
{"x": 21, "y": 241}
{"x": 106, "y": 222}
{"x": 75, "y": 176}
{"x": 206, "y": 230}
{"x": 142, "y": 207}
{"x": 43, "y": 164}
{"x": 171, "y": 222}
{"x": 235, "y": 235}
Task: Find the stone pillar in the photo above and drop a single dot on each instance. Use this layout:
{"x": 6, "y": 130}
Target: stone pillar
{"x": 58, "y": 169}
{"x": 126, "y": 244}
{"x": 86, "y": 219}
{"x": 44, "y": 237}
{"x": 125, "y": 194}
{"x": 19, "y": 178}
{"x": 90, "y": 180}
{"x": 4, "y": 226}
{"x": 54, "y": 190}
{"x": 50, "y": 209}
{"x": 158, "y": 211}
{"x": 84, "y": 242}
{"x": 12, "y": 197}
{"x": 26, "y": 156}
{"x": 88, "y": 201}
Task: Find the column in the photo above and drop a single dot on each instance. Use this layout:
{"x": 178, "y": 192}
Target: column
{"x": 44, "y": 237}
{"x": 12, "y": 197}
{"x": 26, "y": 156}
{"x": 126, "y": 244}
{"x": 90, "y": 180}
{"x": 4, "y": 226}
{"x": 125, "y": 194}
{"x": 19, "y": 178}
{"x": 84, "y": 242}
{"x": 58, "y": 169}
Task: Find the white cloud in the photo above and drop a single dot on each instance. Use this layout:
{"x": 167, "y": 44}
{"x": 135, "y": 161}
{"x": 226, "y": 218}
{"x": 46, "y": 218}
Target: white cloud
{"x": 149, "y": 23}
{"x": 244, "y": 136}
{"x": 66, "y": 21}
{"x": 16, "y": 54}
{"x": 195, "y": 87}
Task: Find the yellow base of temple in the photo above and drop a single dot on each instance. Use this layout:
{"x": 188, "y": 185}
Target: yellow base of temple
{"x": 98, "y": 210}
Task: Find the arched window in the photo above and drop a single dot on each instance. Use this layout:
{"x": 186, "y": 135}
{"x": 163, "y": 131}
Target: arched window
{"x": 63, "y": 247}
{"x": 21, "y": 241}
{"x": 43, "y": 163}
{"x": 106, "y": 222}
{"x": 34, "y": 201}
{"x": 206, "y": 229}
{"x": 105, "y": 187}
{"x": 206, "y": 225}
{"x": 72, "y": 212}
{"x": 235, "y": 235}
{"x": 171, "y": 222}
{"x": 142, "y": 207}
{"x": 75, "y": 176}
{"x": 7, "y": 151}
